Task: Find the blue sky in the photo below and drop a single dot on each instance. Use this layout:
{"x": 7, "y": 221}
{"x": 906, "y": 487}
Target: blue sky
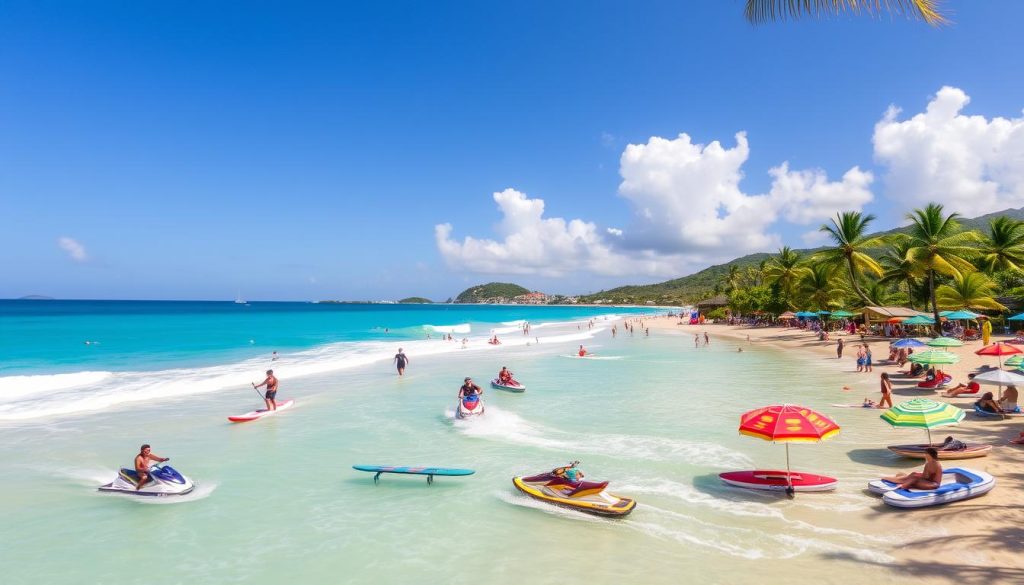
{"x": 308, "y": 150}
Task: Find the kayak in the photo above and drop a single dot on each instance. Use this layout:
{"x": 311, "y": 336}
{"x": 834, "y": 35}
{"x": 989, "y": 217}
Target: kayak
{"x": 775, "y": 480}
{"x": 258, "y": 414}
{"x": 917, "y": 451}
{"x": 958, "y": 483}
{"x": 511, "y": 387}
{"x": 587, "y": 496}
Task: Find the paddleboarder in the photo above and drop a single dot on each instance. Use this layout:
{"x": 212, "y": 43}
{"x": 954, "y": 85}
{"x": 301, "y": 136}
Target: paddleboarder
{"x": 271, "y": 396}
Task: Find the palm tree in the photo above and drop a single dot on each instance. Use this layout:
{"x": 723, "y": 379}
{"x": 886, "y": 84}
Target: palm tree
{"x": 937, "y": 246}
{"x": 732, "y": 279}
{"x": 848, "y": 232}
{"x": 1003, "y": 247}
{"x": 879, "y": 293}
{"x": 786, "y": 269}
{"x": 759, "y": 11}
{"x": 820, "y": 287}
{"x": 972, "y": 290}
{"x": 897, "y": 268}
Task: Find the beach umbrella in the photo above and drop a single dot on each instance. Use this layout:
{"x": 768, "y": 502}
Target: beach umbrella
{"x": 895, "y": 320}
{"x": 945, "y": 342}
{"x": 934, "y": 357}
{"x": 1018, "y": 317}
{"x": 787, "y": 423}
{"x": 999, "y": 349}
{"x": 919, "y": 320}
{"x": 1014, "y": 361}
{"x": 787, "y": 315}
{"x": 959, "y": 315}
{"x": 907, "y": 342}
{"x": 999, "y": 378}
{"x": 923, "y": 413}
{"x": 841, "y": 314}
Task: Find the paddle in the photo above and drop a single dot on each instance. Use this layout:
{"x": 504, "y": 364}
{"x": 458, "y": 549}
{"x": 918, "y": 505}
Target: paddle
{"x": 257, "y": 391}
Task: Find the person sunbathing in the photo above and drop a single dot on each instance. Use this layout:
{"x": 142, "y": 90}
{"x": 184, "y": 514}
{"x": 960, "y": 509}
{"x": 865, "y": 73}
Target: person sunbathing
{"x": 988, "y": 404}
{"x": 971, "y": 387}
{"x": 1009, "y": 400}
{"x": 928, "y": 478}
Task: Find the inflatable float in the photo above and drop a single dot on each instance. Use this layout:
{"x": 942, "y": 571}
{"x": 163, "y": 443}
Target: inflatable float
{"x": 512, "y": 386}
{"x": 958, "y": 484}
{"x": 775, "y": 480}
{"x": 978, "y": 411}
{"x": 939, "y": 381}
{"x": 917, "y": 451}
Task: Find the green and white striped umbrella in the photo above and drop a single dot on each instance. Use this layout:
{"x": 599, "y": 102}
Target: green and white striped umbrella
{"x": 934, "y": 357}
{"x": 945, "y": 342}
{"x": 923, "y": 413}
{"x": 1014, "y": 361}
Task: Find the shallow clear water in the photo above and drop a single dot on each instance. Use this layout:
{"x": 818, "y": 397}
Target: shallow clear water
{"x": 278, "y": 499}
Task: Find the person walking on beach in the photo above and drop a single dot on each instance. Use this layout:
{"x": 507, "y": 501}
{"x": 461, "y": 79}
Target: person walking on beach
{"x": 839, "y": 348}
{"x": 886, "y": 391}
{"x": 142, "y": 464}
{"x": 860, "y": 358}
{"x": 696, "y": 340}
{"x": 867, "y": 358}
{"x": 707, "y": 339}
{"x": 270, "y": 397}
{"x": 401, "y": 360}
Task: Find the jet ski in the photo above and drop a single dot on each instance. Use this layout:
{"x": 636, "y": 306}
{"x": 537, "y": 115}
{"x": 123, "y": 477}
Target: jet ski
{"x": 585, "y": 496}
{"x": 164, "y": 480}
{"x": 469, "y": 407}
{"x": 511, "y": 386}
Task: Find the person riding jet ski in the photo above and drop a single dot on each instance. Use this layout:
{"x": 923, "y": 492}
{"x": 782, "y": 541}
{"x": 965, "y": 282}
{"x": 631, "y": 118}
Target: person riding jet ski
{"x": 469, "y": 399}
{"x": 564, "y": 486}
{"x": 150, "y": 479}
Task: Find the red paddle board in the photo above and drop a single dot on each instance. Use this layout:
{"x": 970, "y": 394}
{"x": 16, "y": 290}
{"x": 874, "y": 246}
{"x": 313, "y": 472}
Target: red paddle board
{"x": 775, "y": 480}
{"x": 257, "y": 414}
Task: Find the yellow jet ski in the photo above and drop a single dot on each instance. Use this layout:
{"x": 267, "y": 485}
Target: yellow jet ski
{"x": 555, "y": 488}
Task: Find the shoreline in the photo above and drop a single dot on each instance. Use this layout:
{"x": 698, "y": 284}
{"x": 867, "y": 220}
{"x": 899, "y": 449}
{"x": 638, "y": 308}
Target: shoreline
{"x": 974, "y": 548}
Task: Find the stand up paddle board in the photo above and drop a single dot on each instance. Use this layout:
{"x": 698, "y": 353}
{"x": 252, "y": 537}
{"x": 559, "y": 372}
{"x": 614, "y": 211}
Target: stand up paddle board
{"x": 258, "y": 414}
{"x": 775, "y": 480}
{"x": 430, "y": 472}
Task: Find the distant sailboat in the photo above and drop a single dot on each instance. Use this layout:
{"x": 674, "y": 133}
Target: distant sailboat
{"x": 239, "y": 300}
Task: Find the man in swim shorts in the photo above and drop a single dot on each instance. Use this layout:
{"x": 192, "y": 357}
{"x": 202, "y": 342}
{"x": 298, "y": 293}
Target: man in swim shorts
{"x": 927, "y": 479}
{"x": 271, "y": 396}
{"x": 142, "y": 465}
{"x": 401, "y": 360}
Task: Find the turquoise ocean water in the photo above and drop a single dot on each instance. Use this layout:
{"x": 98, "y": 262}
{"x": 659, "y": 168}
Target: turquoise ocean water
{"x": 278, "y": 501}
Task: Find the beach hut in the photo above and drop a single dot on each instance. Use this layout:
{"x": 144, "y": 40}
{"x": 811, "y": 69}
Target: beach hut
{"x": 874, "y": 315}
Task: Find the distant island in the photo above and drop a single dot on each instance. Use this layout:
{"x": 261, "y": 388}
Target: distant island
{"x": 511, "y": 294}
{"x": 415, "y": 301}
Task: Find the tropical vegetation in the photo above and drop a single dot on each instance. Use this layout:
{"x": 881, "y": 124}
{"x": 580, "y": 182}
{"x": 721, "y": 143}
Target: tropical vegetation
{"x": 761, "y": 11}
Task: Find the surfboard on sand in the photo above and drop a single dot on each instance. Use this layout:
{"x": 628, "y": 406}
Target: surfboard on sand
{"x": 258, "y": 414}
{"x": 430, "y": 472}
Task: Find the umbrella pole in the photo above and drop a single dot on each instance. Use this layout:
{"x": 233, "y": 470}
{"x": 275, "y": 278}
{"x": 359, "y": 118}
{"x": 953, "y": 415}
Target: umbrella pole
{"x": 789, "y": 476}
{"x": 929, "y": 436}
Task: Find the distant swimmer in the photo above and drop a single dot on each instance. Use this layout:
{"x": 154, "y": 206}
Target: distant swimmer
{"x": 582, "y": 351}
{"x": 401, "y": 360}
{"x": 271, "y": 396}
{"x": 273, "y": 357}
{"x": 494, "y": 341}
{"x": 142, "y": 464}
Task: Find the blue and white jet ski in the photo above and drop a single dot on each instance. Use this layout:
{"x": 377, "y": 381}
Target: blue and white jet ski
{"x": 164, "y": 480}
{"x": 469, "y": 407}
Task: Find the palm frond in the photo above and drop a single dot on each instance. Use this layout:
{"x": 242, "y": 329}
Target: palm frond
{"x": 762, "y": 11}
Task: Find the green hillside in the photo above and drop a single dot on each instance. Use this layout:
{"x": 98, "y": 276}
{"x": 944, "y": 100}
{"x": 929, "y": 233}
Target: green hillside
{"x": 701, "y": 285}
{"x": 482, "y": 293}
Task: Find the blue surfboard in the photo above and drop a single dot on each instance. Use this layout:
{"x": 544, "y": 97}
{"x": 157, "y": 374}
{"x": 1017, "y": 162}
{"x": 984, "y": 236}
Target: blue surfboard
{"x": 430, "y": 472}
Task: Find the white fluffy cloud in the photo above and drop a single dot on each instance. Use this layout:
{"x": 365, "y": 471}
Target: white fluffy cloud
{"x": 75, "y": 250}
{"x": 531, "y": 244}
{"x": 688, "y": 200}
{"x": 969, "y": 163}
